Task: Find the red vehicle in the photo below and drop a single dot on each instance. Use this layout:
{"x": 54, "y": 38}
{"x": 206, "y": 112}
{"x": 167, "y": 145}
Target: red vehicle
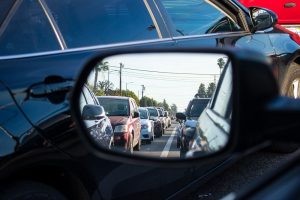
{"x": 288, "y": 11}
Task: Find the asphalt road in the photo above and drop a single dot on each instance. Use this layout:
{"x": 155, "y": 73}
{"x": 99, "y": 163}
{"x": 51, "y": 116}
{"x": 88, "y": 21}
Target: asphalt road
{"x": 164, "y": 146}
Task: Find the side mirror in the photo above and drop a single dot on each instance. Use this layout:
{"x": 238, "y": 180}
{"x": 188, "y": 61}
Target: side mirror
{"x": 136, "y": 114}
{"x": 92, "y": 112}
{"x": 180, "y": 116}
{"x": 237, "y": 80}
{"x": 262, "y": 18}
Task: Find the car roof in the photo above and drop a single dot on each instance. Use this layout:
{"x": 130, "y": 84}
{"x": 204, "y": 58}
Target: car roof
{"x": 114, "y": 97}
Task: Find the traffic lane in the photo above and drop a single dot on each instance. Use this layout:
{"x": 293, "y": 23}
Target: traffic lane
{"x": 164, "y": 146}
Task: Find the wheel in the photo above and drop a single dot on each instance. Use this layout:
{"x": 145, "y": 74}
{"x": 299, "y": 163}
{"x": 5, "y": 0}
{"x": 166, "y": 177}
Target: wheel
{"x": 130, "y": 144}
{"x": 31, "y": 190}
{"x": 291, "y": 82}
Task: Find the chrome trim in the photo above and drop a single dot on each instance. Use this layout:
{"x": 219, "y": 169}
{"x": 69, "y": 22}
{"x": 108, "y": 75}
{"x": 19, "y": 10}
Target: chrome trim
{"x": 153, "y": 19}
{"x": 212, "y": 35}
{"x": 9, "y": 16}
{"x": 84, "y": 48}
{"x": 162, "y": 18}
{"x": 53, "y": 24}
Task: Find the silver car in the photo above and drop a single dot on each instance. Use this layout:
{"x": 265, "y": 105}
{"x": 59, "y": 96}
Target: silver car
{"x": 147, "y": 129}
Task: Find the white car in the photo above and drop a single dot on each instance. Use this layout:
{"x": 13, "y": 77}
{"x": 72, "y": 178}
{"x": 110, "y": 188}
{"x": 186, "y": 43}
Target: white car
{"x": 147, "y": 127}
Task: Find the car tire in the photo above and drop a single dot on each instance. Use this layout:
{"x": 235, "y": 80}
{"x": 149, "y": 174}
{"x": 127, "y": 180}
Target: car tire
{"x": 137, "y": 147}
{"x": 31, "y": 190}
{"x": 130, "y": 147}
{"x": 291, "y": 82}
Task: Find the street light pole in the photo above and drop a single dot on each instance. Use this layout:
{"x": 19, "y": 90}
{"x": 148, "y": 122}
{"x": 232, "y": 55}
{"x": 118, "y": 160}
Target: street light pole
{"x": 126, "y": 87}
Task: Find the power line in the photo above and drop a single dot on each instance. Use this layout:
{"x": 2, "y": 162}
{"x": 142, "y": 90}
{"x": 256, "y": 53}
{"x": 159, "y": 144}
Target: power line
{"x": 164, "y": 72}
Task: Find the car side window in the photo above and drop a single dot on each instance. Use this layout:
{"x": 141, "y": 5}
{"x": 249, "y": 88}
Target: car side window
{"x": 198, "y": 17}
{"x": 222, "y": 97}
{"x": 102, "y": 22}
{"x": 26, "y": 29}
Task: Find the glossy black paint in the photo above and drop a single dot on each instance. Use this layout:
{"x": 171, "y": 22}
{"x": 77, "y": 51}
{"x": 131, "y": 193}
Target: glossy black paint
{"x": 41, "y": 142}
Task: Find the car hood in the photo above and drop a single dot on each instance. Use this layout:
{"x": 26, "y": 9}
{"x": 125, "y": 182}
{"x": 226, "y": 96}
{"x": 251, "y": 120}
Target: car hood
{"x": 115, "y": 120}
{"x": 145, "y": 121}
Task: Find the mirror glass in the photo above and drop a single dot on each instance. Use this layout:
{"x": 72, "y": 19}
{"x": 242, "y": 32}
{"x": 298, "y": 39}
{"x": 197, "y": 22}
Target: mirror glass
{"x": 161, "y": 105}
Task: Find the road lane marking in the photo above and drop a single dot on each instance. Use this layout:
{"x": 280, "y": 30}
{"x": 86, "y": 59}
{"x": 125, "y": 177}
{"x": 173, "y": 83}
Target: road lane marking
{"x": 166, "y": 150}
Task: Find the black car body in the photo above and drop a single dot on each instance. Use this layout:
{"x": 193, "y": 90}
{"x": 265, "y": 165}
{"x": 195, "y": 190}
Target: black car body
{"x": 43, "y": 46}
{"x": 186, "y": 131}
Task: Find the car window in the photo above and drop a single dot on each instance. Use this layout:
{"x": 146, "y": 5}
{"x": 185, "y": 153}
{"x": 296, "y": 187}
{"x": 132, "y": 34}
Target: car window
{"x": 197, "y": 17}
{"x": 222, "y": 96}
{"x": 115, "y": 107}
{"x": 82, "y": 102}
{"x": 196, "y": 107}
{"x": 26, "y": 29}
{"x": 102, "y": 22}
{"x": 4, "y": 9}
{"x": 153, "y": 112}
{"x": 143, "y": 114}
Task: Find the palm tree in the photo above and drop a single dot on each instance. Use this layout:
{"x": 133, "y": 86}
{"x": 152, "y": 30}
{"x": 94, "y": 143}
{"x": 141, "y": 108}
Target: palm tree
{"x": 101, "y": 66}
{"x": 221, "y": 64}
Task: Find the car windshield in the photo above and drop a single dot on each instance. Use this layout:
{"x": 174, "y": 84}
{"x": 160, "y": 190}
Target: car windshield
{"x": 115, "y": 107}
{"x": 143, "y": 114}
{"x": 196, "y": 107}
{"x": 153, "y": 112}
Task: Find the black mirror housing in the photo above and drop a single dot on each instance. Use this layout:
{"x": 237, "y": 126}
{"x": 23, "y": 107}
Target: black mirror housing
{"x": 92, "y": 112}
{"x": 245, "y": 66}
{"x": 263, "y": 18}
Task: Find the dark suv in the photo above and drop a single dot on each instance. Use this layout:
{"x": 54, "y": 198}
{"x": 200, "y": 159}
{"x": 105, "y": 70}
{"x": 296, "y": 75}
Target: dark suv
{"x": 186, "y": 130}
{"x": 124, "y": 116}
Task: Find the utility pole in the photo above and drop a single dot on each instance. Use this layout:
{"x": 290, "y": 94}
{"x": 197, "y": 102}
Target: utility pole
{"x": 143, "y": 89}
{"x": 121, "y": 67}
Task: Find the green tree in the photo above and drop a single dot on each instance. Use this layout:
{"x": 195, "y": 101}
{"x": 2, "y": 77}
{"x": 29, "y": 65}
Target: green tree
{"x": 210, "y": 89}
{"x": 201, "y": 91}
{"x": 173, "y": 109}
{"x": 221, "y": 63}
{"x": 127, "y": 93}
{"x": 165, "y": 105}
{"x": 105, "y": 85}
{"x": 100, "y": 66}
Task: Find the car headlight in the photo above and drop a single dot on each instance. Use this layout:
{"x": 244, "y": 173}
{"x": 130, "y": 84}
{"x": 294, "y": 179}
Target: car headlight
{"x": 121, "y": 128}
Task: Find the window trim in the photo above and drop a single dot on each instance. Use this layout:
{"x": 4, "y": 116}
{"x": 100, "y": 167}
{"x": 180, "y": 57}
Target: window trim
{"x": 157, "y": 28}
{"x": 53, "y": 24}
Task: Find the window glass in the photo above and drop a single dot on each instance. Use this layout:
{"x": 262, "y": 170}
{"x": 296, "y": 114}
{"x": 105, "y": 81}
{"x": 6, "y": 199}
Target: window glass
{"x": 196, "y": 17}
{"x": 223, "y": 95}
{"x": 153, "y": 112}
{"x": 27, "y": 31}
{"x": 4, "y": 9}
{"x": 98, "y": 22}
{"x": 115, "y": 107}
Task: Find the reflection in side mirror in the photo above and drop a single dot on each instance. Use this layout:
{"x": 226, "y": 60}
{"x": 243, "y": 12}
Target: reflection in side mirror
{"x": 163, "y": 84}
{"x": 136, "y": 114}
{"x": 181, "y": 116}
{"x": 92, "y": 112}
